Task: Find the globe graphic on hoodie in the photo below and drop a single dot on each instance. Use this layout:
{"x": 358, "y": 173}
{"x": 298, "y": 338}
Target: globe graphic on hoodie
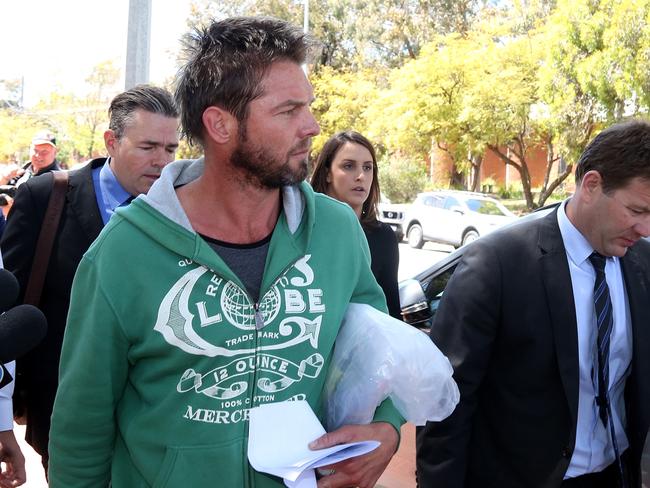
{"x": 240, "y": 311}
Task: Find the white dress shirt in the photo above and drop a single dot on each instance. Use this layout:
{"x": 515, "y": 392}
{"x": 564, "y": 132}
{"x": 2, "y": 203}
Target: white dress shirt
{"x": 6, "y": 408}
{"x": 593, "y": 448}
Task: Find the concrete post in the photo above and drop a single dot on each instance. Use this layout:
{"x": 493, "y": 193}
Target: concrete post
{"x": 138, "y": 43}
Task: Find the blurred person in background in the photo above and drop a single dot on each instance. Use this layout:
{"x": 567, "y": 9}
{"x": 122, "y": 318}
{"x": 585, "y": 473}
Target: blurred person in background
{"x": 346, "y": 169}
{"x": 42, "y": 160}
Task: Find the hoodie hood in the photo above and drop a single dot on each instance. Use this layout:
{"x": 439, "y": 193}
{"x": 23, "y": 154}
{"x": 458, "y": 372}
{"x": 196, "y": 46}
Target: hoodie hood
{"x": 159, "y": 215}
{"x": 162, "y": 195}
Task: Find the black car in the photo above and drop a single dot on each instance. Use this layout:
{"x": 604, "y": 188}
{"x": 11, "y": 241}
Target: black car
{"x": 420, "y": 295}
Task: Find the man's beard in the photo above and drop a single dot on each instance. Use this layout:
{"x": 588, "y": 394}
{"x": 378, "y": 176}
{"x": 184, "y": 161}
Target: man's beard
{"x": 266, "y": 170}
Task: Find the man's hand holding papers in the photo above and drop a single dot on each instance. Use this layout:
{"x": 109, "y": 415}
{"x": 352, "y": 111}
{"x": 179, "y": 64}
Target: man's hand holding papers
{"x": 362, "y": 471}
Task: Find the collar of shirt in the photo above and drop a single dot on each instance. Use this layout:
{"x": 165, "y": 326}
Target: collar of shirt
{"x": 109, "y": 192}
{"x": 576, "y": 245}
{"x": 29, "y": 172}
{"x": 51, "y": 167}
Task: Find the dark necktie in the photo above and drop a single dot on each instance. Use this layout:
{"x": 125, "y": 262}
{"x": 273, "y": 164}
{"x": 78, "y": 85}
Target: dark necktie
{"x": 605, "y": 323}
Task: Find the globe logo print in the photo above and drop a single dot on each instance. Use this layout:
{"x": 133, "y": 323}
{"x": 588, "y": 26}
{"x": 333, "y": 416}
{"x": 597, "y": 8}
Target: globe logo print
{"x": 239, "y": 311}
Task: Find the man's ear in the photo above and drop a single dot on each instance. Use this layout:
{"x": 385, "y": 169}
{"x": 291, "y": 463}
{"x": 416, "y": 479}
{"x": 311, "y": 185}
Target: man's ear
{"x": 110, "y": 141}
{"x": 592, "y": 184}
{"x": 219, "y": 124}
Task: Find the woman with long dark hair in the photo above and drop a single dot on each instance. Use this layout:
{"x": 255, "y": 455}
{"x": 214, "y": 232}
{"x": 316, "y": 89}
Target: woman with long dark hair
{"x": 346, "y": 169}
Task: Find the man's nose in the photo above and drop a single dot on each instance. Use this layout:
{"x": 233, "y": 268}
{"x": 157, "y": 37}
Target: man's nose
{"x": 643, "y": 227}
{"x": 161, "y": 158}
{"x": 310, "y": 127}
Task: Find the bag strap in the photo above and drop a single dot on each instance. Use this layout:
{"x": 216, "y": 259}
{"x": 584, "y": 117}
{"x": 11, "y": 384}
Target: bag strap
{"x": 46, "y": 238}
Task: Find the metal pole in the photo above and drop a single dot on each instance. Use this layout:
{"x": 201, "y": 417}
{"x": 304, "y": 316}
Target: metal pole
{"x": 305, "y": 22}
{"x": 138, "y": 43}
{"x": 305, "y": 28}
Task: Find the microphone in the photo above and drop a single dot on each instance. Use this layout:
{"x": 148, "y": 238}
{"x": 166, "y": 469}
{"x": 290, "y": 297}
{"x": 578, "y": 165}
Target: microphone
{"x": 21, "y": 329}
{"x": 9, "y": 289}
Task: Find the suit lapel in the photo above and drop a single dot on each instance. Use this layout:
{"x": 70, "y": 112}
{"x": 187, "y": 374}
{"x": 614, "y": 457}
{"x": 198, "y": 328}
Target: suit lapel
{"x": 559, "y": 296}
{"x": 82, "y": 201}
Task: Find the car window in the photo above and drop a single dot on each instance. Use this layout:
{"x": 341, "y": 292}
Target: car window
{"x": 436, "y": 288}
{"x": 485, "y": 207}
{"x": 438, "y": 201}
{"x": 451, "y": 202}
{"x": 433, "y": 201}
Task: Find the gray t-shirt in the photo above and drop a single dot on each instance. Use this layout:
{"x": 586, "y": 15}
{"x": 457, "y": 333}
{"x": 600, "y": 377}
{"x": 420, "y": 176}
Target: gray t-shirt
{"x": 245, "y": 260}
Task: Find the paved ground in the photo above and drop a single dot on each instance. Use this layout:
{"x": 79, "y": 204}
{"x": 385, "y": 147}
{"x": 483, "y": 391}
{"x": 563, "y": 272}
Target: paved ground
{"x": 413, "y": 261}
{"x": 401, "y": 470}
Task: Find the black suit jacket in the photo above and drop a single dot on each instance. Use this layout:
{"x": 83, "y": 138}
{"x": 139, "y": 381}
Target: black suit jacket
{"x": 507, "y": 323}
{"x": 80, "y": 224}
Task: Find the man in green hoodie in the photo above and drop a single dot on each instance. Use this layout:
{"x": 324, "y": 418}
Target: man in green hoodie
{"x": 220, "y": 290}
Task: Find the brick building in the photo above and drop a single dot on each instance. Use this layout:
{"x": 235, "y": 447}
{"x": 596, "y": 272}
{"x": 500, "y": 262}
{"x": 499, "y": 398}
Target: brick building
{"x": 495, "y": 171}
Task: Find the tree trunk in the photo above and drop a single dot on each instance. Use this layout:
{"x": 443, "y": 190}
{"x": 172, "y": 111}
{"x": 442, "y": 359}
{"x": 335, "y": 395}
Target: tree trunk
{"x": 548, "y": 191}
{"x": 550, "y": 159}
{"x": 526, "y": 185}
{"x": 524, "y": 174}
{"x": 549, "y": 186}
{"x": 457, "y": 178}
{"x": 477, "y": 161}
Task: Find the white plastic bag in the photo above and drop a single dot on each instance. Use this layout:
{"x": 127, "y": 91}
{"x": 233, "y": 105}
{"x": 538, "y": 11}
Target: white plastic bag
{"x": 377, "y": 356}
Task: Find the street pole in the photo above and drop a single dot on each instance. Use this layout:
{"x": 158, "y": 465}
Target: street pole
{"x": 305, "y": 22}
{"x": 138, "y": 43}
{"x": 22, "y": 93}
{"x": 305, "y": 28}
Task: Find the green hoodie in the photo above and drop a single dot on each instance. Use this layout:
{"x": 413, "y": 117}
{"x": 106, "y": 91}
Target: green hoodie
{"x": 165, "y": 353}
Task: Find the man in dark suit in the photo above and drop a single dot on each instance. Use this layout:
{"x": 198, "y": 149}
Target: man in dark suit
{"x": 551, "y": 354}
{"x": 142, "y": 138}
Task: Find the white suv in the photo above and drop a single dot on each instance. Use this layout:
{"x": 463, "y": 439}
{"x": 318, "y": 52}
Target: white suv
{"x": 393, "y": 215}
{"x": 453, "y": 217}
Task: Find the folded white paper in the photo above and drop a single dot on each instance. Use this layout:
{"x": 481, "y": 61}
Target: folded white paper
{"x": 279, "y": 434}
{"x": 306, "y": 479}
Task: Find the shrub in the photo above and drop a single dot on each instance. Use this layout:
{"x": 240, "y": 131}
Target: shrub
{"x": 401, "y": 178}
{"x": 510, "y": 192}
